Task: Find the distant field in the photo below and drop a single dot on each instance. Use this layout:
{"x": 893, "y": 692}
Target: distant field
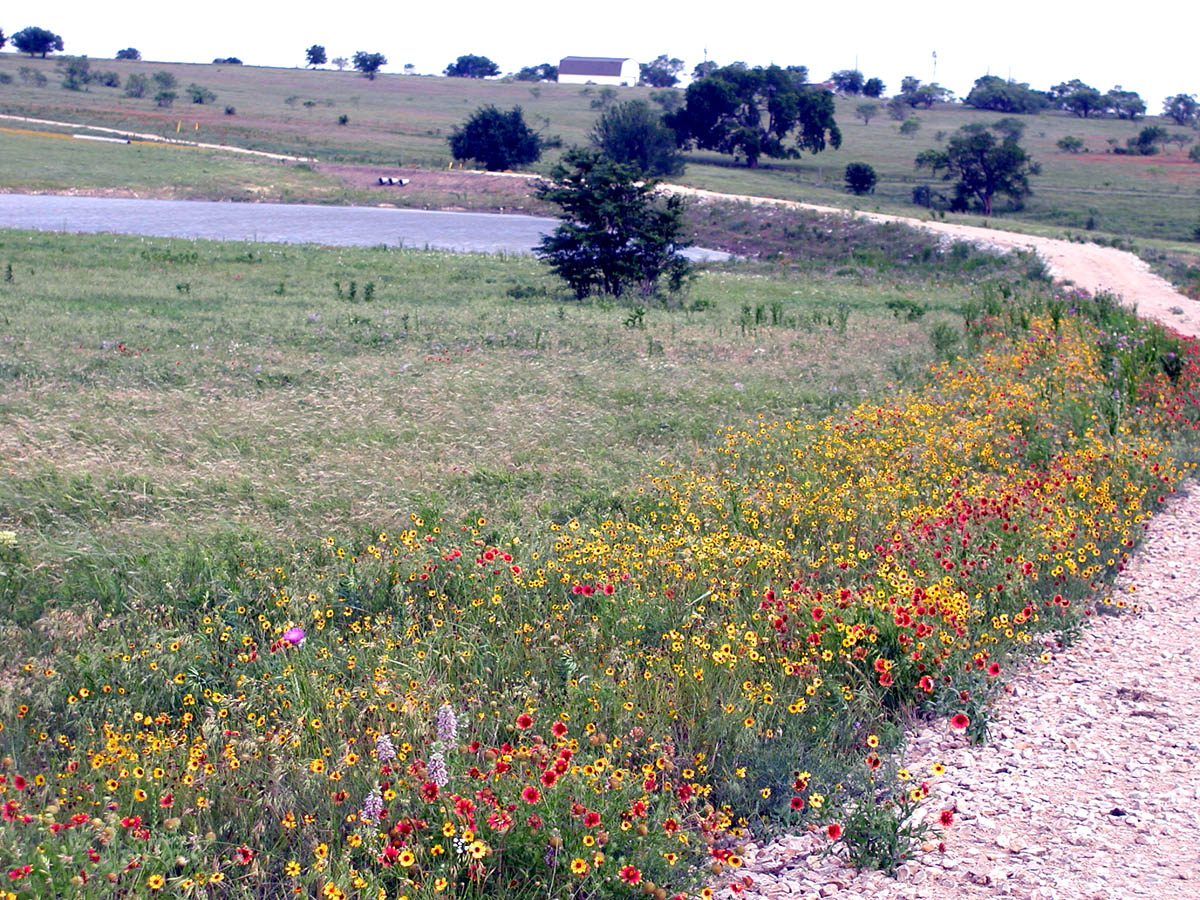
{"x": 403, "y": 121}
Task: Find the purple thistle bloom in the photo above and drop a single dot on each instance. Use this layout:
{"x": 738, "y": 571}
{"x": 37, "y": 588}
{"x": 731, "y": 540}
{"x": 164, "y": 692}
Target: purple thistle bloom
{"x": 372, "y": 806}
{"x": 447, "y": 724}
{"x": 294, "y": 636}
{"x": 384, "y": 749}
{"x": 437, "y": 769}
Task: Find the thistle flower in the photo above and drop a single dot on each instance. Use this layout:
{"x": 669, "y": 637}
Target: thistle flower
{"x": 447, "y": 724}
{"x": 437, "y": 769}
{"x": 384, "y": 748}
{"x": 294, "y": 636}
{"x": 372, "y": 806}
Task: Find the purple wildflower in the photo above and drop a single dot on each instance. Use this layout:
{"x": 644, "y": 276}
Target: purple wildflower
{"x": 294, "y": 636}
{"x": 447, "y": 724}
{"x": 372, "y": 806}
{"x": 384, "y": 749}
{"x": 437, "y": 769}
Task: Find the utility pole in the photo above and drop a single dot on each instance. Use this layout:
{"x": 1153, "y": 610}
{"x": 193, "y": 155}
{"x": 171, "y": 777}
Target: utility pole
{"x": 935, "y": 65}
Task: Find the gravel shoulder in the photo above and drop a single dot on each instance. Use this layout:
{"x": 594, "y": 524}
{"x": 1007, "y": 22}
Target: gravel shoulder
{"x": 1088, "y": 786}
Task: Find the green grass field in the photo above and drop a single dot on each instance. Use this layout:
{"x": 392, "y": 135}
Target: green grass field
{"x": 158, "y": 393}
{"x": 404, "y": 121}
{"x": 303, "y": 548}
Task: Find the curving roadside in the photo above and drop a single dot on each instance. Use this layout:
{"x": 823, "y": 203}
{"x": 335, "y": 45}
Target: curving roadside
{"x": 1088, "y": 266}
{"x": 1088, "y": 787}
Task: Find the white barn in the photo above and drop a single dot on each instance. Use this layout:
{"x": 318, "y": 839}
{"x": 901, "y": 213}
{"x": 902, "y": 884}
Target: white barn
{"x": 598, "y": 70}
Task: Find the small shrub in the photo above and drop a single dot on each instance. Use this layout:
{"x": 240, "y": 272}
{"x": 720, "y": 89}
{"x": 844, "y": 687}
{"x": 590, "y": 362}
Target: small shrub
{"x": 343, "y": 119}
{"x": 860, "y": 178}
{"x": 5, "y": 78}
{"x": 136, "y": 85}
{"x": 165, "y": 98}
{"x": 670, "y": 100}
{"x": 607, "y": 97}
{"x": 231, "y": 111}
{"x": 1194, "y": 153}
{"x": 78, "y": 74}
{"x": 32, "y": 76}
{"x": 499, "y": 140}
{"x": 910, "y": 126}
{"x": 1147, "y": 141}
{"x": 944, "y": 339}
{"x": 107, "y": 79}
{"x": 909, "y": 310}
{"x": 200, "y": 94}
{"x": 1070, "y": 144}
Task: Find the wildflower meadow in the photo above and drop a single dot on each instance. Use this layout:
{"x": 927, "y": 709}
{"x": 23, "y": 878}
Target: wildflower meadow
{"x": 606, "y": 707}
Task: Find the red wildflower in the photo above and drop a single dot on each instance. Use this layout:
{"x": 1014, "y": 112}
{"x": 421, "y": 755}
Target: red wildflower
{"x": 947, "y": 817}
{"x": 834, "y": 831}
{"x": 558, "y": 729}
{"x": 797, "y": 803}
{"x": 244, "y": 855}
{"x": 959, "y": 722}
{"x": 591, "y": 819}
{"x": 429, "y": 791}
{"x": 531, "y": 794}
{"x": 524, "y": 721}
{"x": 630, "y": 874}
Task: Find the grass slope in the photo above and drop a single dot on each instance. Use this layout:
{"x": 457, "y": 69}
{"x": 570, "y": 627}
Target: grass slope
{"x": 404, "y": 121}
{"x": 163, "y": 393}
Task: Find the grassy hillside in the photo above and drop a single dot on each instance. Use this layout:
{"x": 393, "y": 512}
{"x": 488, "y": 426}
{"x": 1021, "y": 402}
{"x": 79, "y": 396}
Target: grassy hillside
{"x": 402, "y": 121}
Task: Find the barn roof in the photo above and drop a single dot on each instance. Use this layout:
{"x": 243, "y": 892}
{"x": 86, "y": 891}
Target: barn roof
{"x": 591, "y": 65}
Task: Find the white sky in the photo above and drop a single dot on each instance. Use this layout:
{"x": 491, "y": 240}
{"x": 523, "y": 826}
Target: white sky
{"x": 1041, "y": 43}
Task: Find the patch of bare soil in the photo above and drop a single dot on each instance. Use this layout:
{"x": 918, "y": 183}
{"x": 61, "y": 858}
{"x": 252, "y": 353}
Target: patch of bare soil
{"x": 447, "y": 189}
